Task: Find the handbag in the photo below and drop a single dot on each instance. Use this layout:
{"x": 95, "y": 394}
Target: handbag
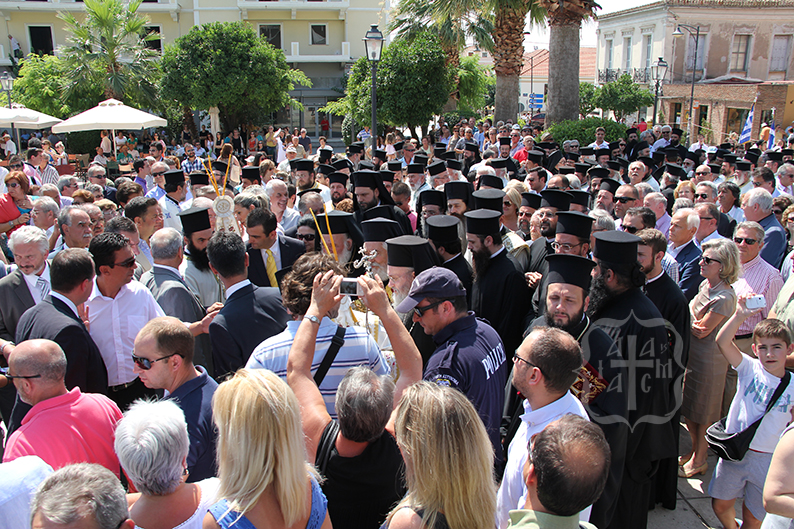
{"x": 733, "y": 446}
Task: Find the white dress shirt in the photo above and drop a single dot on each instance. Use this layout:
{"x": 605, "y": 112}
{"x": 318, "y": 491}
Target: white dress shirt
{"x": 115, "y": 323}
{"x": 513, "y": 490}
{"x": 69, "y": 303}
{"x": 235, "y": 287}
{"x": 276, "y": 249}
{"x": 32, "y": 279}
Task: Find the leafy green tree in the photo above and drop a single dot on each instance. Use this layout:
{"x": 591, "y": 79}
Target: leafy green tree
{"x": 107, "y": 48}
{"x": 41, "y": 85}
{"x": 623, "y": 97}
{"x": 587, "y": 93}
{"x": 474, "y": 82}
{"x": 413, "y": 84}
{"x": 227, "y": 65}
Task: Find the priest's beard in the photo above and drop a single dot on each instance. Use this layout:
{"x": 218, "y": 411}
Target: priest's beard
{"x": 198, "y": 257}
{"x": 399, "y": 297}
{"x": 568, "y": 327}
{"x": 599, "y": 296}
{"x": 481, "y": 259}
{"x": 344, "y": 256}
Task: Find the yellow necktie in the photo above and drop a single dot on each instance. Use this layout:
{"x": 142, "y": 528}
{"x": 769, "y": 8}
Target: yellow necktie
{"x": 270, "y": 266}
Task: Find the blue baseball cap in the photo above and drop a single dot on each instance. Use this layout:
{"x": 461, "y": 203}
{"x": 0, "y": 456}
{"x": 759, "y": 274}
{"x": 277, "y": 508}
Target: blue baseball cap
{"x": 436, "y": 282}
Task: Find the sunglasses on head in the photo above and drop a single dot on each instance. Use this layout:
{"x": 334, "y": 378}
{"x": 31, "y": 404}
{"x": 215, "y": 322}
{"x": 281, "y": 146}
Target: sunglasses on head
{"x": 146, "y": 364}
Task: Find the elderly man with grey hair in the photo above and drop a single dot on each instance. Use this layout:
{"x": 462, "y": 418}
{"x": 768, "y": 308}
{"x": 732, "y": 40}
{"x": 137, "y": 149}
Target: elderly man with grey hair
{"x": 75, "y": 227}
{"x": 67, "y": 185}
{"x": 45, "y": 214}
{"x": 96, "y": 175}
{"x": 278, "y": 195}
{"x": 81, "y": 495}
{"x": 157, "y": 190}
{"x": 152, "y": 445}
{"x": 757, "y": 207}
{"x": 82, "y": 423}
{"x": 170, "y": 290}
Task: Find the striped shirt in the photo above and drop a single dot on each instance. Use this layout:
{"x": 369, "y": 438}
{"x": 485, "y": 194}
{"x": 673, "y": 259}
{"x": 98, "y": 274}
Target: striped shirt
{"x": 758, "y": 277}
{"x": 359, "y": 349}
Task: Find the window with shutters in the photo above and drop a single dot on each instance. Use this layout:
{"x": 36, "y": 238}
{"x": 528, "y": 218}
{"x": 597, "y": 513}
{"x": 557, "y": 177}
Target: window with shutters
{"x": 648, "y": 50}
{"x": 781, "y": 46}
{"x": 627, "y": 53}
{"x": 740, "y": 52}
{"x": 609, "y": 55}
{"x": 690, "y": 51}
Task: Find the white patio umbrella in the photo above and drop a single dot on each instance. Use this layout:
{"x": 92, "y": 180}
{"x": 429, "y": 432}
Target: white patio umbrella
{"x": 110, "y": 114}
{"x": 26, "y": 118}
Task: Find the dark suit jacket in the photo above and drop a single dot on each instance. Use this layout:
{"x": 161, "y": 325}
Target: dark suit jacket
{"x": 250, "y": 316}
{"x": 53, "y": 320}
{"x": 15, "y": 299}
{"x": 689, "y": 270}
{"x": 726, "y": 226}
{"x": 177, "y": 300}
{"x": 290, "y": 250}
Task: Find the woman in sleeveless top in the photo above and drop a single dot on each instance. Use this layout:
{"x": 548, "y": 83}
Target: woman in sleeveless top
{"x": 265, "y": 480}
{"x": 152, "y": 446}
{"x": 435, "y": 426}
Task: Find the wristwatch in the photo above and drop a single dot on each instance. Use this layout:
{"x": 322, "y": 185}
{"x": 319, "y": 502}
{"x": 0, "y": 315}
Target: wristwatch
{"x": 313, "y": 319}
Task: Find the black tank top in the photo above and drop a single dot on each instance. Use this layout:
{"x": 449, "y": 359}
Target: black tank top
{"x": 361, "y": 490}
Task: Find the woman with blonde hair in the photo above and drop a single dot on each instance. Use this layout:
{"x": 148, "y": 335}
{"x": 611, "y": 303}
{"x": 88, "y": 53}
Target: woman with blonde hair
{"x": 685, "y": 189}
{"x": 265, "y": 479}
{"x": 704, "y": 379}
{"x": 510, "y": 205}
{"x": 448, "y": 462}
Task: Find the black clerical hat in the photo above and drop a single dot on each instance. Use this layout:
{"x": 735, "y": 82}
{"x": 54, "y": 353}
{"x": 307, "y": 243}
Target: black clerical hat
{"x": 250, "y": 172}
{"x": 609, "y": 184}
{"x": 442, "y": 228}
{"x": 380, "y": 229}
{"x": 530, "y": 200}
{"x": 570, "y": 269}
{"x": 174, "y": 177}
{"x": 459, "y": 190}
{"x": 194, "y": 219}
{"x": 617, "y": 247}
{"x": 482, "y": 222}
{"x": 490, "y": 180}
{"x": 554, "y": 198}
{"x": 337, "y": 178}
{"x": 411, "y": 251}
{"x": 574, "y": 223}
{"x": 199, "y": 178}
{"x": 489, "y": 199}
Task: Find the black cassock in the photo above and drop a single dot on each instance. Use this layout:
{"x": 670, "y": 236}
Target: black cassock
{"x": 462, "y": 269}
{"x": 639, "y": 332}
{"x": 501, "y": 296}
{"x": 537, "y": 263}
{"x": 598, "y": 388}
{"x": 670, "y": 301}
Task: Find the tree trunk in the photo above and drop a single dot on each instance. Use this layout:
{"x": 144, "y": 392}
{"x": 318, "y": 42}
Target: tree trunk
{"x": 187, "y": 119}
{"x": 508, "y": 59}
{"x": 563, "y": 100}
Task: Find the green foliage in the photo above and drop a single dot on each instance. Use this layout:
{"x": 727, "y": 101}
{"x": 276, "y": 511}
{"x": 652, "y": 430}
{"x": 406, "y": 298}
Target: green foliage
{"x": 107, "y": 49}
{"x": 584, "y": 130}
{"x": 455, "y": 117}
{"x": 347, "y": 129}
{"x": 41, "y": 86}
{"x": 587, "y": 95}
{"x": 413, "y": 84}
{"x": 83, "y": 142}
{"x": 227, "y": 65}
{"x": 622, "y": 97}
{"x": 474, "y": 82}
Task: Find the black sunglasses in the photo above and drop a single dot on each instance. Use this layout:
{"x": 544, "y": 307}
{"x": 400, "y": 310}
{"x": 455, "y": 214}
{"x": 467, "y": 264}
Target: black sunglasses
{"x": 740, "y": 240}
{"x": 704, "y": 196}
{"x": 630, "y": 229}
{"x": 420, "y": 311}
{"x": 306, "y": 236}
{"x": 16, "y": 166}
{"x": 146, "y": 364}
{"x": 129, "y": 263}
{"x": 709, "y": 260}
{"x": 624, "y": 200}
{"x": 20, "y": 377}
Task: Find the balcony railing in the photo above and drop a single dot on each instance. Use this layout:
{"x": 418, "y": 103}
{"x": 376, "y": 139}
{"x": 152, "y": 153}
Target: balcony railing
{"x": 642, "y": 75}
{"x": 608, "y": 75}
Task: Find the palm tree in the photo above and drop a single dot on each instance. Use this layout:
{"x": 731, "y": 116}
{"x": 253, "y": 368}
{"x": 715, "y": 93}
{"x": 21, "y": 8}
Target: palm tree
{"x": 509, "y": 18}
{"x": 565, "y": 20}
{"x": 108, "y": 49}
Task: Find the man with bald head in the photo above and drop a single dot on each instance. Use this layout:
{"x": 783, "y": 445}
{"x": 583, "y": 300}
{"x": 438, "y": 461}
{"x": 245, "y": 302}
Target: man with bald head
{"x": 82, "y": 423}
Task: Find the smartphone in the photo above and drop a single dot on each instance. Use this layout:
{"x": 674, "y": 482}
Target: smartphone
{"x": 349, "y": 287}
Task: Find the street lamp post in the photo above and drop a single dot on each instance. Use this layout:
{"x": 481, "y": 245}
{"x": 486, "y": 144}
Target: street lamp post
{"x": 658, "y": 72}
{"x": 695, "y": 32}
{"x": 7, "y": 84}
{"x": 373, "y": 43}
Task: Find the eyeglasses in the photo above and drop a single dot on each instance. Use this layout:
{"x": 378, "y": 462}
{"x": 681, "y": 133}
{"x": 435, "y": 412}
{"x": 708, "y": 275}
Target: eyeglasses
{"x": 161, "y": 173}
{"x": 13, "y": 185}
{"x": 709, "y": 260}
{"x": 704, "y": 196}
{"x": 16, "y": 166}
{"x": 748, "y": 242}
{"x": 507, "y": 203}
{"x": 420, "y": 311}
{"x": 146, "y": 364}
{"x": 702, "y": 173}
{"x": 306, "y": 236}
{"x": 624, "y": 200}
{"x": 707, "y": 218}
{"x": 516, "y": 359}
{"x": 630, "y": 229}
{"x": 20, "y": 377}
{"x": 129, "y": 263}
{"x": 777, "y": 211}
{"x": 757, "y": 184}
{"x": 566, "y": 247}
{"x": 408, "y": 150}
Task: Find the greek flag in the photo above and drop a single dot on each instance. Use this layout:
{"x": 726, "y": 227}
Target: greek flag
{"x": 748, "y": 126}
{"x": 771, "y": 143}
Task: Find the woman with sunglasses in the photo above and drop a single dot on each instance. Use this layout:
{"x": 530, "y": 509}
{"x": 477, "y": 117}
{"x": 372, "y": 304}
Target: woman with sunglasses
{"x": 704, "y": 380}
{"x": 15, "y": 204}
{"x": 152, "y": 445}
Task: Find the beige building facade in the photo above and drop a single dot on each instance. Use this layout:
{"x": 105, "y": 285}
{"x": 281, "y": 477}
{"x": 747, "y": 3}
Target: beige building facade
{"x": 320, "y": 37}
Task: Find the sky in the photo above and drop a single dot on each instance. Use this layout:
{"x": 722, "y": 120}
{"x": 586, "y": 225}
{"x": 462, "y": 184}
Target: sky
{"x": 539, "y": 36}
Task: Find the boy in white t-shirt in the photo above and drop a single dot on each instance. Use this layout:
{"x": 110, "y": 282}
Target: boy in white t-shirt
{"x": 757, "y": 380}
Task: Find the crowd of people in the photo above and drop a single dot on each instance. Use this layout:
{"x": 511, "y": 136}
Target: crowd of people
{"x": 487, "y": 327}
